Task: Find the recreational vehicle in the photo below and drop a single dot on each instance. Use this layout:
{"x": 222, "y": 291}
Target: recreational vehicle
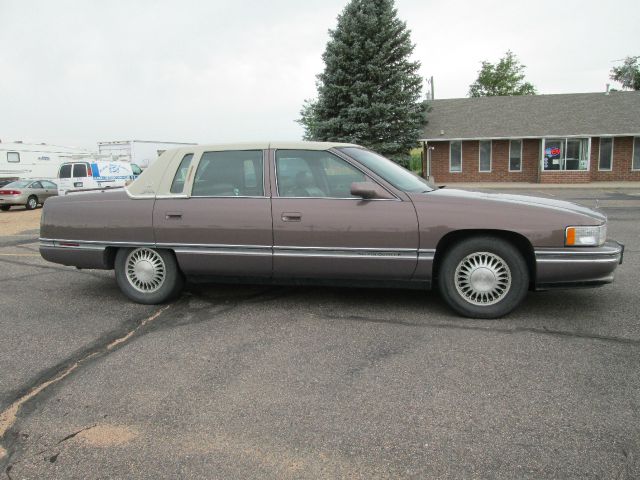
{"x": 27, "y": 160}
{"x": 141, "y": 152}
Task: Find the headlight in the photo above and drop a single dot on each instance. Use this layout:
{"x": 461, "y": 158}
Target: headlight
{"x": 585, "y": 236}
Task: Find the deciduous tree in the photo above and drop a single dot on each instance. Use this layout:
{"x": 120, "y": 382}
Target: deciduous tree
{"x": 628, "y": 74}
{"x": 504, "y": 78}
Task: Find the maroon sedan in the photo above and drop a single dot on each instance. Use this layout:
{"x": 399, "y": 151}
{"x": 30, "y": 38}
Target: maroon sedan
{"x": 324, "y": 213}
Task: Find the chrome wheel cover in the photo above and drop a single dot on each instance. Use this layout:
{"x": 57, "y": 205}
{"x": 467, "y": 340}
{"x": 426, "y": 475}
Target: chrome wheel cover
{"x": 483, "y": 278}
{"x": 145, "y": 269}
{"x": 33, "y": 203}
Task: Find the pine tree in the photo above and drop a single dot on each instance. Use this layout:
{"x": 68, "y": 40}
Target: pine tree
{"x": 370, "y": 91}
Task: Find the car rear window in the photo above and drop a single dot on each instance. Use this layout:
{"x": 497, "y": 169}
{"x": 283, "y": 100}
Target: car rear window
{"x": 21, "y": 184}
{"x": 65, "y": 171}
{"x": 229, "y": 174}
{"x": 79, "y": 170}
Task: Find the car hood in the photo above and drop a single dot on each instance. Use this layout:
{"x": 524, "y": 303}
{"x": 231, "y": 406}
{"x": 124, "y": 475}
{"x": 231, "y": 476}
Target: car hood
{"x": 550, "y": 203}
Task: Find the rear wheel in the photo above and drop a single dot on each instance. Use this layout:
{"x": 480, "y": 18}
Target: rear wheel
{"x": 5, "y": 208}
{"x": 32, "y": 203}
{"x": 483, "y": 277}
{"x": 148, "y": 276}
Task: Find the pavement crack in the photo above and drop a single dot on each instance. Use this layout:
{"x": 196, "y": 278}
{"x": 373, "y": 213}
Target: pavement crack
{"x": 450, "y": 326}
{"x": 71, "y": 435}
{"x": 9, "y": 416}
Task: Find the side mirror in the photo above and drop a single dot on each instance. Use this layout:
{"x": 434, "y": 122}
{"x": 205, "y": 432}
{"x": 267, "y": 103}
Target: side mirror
{"x": 364, "y": 190}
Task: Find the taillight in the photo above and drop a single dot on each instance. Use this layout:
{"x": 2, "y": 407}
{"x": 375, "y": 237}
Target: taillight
{"x": 10, "y": 192}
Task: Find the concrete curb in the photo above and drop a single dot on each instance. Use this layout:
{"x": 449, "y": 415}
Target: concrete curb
{"x": 544, "y": 186}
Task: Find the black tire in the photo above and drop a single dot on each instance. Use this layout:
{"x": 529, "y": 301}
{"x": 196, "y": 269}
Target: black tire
{"x": 5, "y": 208}
{"x": 483, "y": 277}
{"x": 32, "y": 202}
{"x": 157, "y": 281}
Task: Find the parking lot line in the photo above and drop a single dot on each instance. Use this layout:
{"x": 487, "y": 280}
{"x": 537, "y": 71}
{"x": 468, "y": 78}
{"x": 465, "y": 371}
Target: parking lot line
{"x": 19, "y": 254}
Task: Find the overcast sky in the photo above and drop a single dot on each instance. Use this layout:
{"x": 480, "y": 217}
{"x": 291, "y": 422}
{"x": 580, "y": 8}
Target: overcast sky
{"x": 78, "y": 72}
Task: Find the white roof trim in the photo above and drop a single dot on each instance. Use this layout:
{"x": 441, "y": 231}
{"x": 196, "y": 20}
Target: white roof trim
{"x": 529, "y": 137}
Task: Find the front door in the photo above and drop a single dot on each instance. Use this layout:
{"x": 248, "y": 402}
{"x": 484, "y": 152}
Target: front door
{"x": 219, "y": 223}
{"x": 321, "y": 231}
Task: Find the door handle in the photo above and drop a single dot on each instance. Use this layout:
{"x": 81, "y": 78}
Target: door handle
{"x": 291, "y": 216}
{"x": 173, "y": 215}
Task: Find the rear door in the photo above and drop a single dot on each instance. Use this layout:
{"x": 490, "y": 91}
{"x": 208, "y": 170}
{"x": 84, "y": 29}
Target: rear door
{"x": 64, "y": 178}
{"x": 80, "y": 175}
{"x": 217, "y": 215}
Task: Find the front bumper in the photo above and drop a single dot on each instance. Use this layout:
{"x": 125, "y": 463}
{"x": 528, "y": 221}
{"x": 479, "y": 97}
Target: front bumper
{"x": 577, "y": 267}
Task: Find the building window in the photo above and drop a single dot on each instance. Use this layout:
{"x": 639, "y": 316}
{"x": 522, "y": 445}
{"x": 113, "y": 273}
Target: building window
{"x": 485, "y": 156}
{"x": 606, "y": 154}
{"x": 565, "y": 154}
{"x": 13, "y": 157}
{"x": 455, "y": 156}
{"x": 515, "y": 156}
{"x": 636, "y": 154}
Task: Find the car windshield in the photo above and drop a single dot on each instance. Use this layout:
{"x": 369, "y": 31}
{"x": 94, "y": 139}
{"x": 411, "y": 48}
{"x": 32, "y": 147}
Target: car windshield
{"x": 393, "y": 173}
{"x": 20, "y": 184}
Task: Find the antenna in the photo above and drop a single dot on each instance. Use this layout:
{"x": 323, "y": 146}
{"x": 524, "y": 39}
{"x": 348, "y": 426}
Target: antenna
{"x": 430, "y": 94}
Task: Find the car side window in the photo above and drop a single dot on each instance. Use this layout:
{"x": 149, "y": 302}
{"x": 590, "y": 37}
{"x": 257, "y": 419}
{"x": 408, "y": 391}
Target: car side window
{"x": 311, "y": 173}
{"x": 65, "y": 171}
{"x": 79, "y": 170}
{"x": 229, "y": 174}
{"x": 177, "y": 186}
{"x": 36, "y": 185}
{"x": 47, "y": 184}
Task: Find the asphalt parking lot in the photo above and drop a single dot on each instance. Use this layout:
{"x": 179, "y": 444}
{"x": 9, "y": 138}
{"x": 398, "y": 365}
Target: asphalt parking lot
{"x": 282, "y": 382}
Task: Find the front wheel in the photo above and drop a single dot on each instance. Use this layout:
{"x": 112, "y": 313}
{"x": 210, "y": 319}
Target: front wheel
{"x": 483, "y": 277}
{"x": 148, "y": 276}
{"x": 32, "y": 203}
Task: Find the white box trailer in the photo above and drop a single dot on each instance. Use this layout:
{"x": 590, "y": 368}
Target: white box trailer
{"x": 141, "y": 152}
{"x": 30, "y": 160}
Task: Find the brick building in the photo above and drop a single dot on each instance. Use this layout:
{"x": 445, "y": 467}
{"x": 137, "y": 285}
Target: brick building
{"x": 578, "y": 137}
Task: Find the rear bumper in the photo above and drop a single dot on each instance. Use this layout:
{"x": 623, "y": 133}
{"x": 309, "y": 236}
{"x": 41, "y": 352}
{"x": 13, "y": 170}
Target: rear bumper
{"x": 577, "y": 267}
{"x": 13, "y": 200}
{"x": 76, "y": 254}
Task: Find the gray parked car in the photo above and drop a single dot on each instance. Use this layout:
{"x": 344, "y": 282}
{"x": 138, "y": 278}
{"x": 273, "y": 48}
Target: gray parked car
{"x": 29, "y": 193}
{"x": 325, "y": 213}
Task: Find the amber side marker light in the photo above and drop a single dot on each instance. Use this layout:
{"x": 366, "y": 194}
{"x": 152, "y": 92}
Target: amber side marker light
{"x": 571, "y": 236}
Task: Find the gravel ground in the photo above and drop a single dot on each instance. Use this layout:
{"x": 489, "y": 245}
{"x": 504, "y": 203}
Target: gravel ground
{"x": 18, "y": 220}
